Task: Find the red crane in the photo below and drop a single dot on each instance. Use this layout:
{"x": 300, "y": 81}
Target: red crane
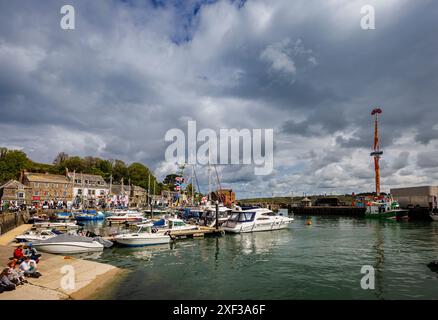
{"x": 376, "y": 150}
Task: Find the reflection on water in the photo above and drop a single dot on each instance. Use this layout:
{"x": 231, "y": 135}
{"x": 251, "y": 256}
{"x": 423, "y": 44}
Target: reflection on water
{"x": 321, "y": 261}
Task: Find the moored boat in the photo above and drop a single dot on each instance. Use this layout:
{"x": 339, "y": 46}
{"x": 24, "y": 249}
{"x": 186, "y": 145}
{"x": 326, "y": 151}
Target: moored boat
{"x": 255, "y": 219}
{"x": 34, "y": 235}
{"x": 56, "y": 225}
{"x": 132, "y": 216}
{"x": 68, "y": 244}
{"x": 89, "y": 215}
{"x": 385, "y": 208}
{"x": 143, "y": 237}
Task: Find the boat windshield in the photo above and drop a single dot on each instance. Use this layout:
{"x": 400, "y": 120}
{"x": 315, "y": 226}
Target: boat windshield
{"x": 242, "y": 216}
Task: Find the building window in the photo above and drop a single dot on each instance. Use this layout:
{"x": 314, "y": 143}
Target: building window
{"x": 65, "y": 186}
{"x": 56, "y": 193}
{"x": 86, "y": 181}
{"x": 36, "y": 193}
{"x": 20, "y": 195}
{"x": 36, "y": 184}
{"x": 79, "y": 191}
{"x": 89, "y": 192}
{"x": 47, "y": 185}
{"x": 64, "y": 194}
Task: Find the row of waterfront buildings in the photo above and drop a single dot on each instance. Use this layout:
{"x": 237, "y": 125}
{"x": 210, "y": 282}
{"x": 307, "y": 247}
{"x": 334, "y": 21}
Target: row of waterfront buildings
{"x": 73, "y": 189}
{"x": 70, "y": 189}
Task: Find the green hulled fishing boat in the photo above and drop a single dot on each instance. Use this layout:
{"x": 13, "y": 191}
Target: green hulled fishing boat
{"x": 385, "y": 208}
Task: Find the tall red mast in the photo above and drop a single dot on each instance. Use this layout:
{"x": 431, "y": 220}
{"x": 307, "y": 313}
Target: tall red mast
{"x": 376, "y": 150}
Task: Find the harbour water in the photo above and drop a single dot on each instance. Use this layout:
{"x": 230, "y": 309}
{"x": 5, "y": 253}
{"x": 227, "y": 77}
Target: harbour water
{"x": 320, "y": 261}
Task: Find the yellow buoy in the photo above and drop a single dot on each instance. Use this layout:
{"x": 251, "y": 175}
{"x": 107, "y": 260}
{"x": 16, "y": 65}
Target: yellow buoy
{"x": 309, "y": 222}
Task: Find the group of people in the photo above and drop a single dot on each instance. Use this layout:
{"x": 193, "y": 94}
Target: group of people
{"x": 23, "y": 264}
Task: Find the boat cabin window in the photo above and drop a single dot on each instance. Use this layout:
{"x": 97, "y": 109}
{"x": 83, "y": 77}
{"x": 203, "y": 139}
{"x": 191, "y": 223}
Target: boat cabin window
{"x": 268, "y": 214}
{"x": 242, "y": 216}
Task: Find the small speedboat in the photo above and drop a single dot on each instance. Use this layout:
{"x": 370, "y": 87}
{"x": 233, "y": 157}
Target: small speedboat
{"x": 68, "y": 244}
{"x": 126, "y": 217}
{"x": 143, "y": 237}
{"x": 34, "y": 235}
{"x": 172, "y": 224}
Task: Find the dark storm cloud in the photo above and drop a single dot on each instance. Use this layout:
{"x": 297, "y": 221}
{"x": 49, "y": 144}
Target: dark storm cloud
{"x": 134, "y": 69}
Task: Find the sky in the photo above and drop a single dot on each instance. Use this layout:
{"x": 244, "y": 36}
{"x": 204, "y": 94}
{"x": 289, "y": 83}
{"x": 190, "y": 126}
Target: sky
{"x": 132, "y": 70}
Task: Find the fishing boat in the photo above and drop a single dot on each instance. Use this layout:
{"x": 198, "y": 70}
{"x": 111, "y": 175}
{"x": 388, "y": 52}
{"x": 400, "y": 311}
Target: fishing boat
{"x": 89, "y": 215}
{"x": 143, "y": 237}
{"x": 68, "y": 244}
{"x": 131, "y": 216}
{"x": 34, "y": 235}
{"x": 255, "y": 219}
{"x": 385, "y": 208}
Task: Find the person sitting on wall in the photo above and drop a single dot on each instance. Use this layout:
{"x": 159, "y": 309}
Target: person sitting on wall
{"x": 19, "y": 254}
{"x": 29, "y": 267}
{"x": 31, "y": 252}
{"x": 5, "y": 283}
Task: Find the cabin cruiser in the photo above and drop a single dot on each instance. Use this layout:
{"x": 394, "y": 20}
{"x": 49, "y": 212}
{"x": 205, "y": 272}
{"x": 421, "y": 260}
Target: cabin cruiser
{"x": 132, "y": 216}
{"x": 69, "y": 244}
{"x": 255, "y": 219}
{"x": 143, "y": 237}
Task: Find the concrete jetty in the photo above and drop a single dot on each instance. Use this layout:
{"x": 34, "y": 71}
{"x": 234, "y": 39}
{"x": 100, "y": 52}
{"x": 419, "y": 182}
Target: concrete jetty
{"x": 88, "y": 276}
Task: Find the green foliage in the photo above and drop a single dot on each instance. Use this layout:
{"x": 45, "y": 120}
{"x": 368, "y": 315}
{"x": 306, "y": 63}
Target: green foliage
{"x": 13, "y": 161}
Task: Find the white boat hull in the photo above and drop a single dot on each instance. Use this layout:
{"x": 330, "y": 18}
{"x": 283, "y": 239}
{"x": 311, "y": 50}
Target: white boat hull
{"x": 138, "y": 240}
{"x": 69, "y": 248}
{"x": 434, "y": 217}
{"x": 256, "y": 227}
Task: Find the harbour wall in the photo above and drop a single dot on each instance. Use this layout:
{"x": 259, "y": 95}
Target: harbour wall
{"x": 328, "y": 211}
{"x": 11, "y": 220}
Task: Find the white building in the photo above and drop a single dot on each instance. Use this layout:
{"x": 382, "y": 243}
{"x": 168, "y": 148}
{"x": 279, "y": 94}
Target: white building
{"x": 89, "y": 189}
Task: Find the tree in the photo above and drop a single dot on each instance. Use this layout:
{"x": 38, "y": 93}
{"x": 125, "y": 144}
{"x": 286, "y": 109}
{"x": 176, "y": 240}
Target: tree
{"x": 61, "y": 157}
{"x": 120, "y": 171}
{"x": 11, "y": 163}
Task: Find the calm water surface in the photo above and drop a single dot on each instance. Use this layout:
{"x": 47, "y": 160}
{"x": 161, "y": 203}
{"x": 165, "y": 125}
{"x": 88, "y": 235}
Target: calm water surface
{"x": 321, "y": 261}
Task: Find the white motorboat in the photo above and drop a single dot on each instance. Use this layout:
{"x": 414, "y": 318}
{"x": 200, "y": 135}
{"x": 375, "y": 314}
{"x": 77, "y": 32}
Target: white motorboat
{"x": 33, "y": 235}
{"x": 68, "y": 244}
{"x": 143, "y": 237}
{"x": 434, "y": 216}
{"x": 56, "y": 225}
{"x": 172, "y": 224}
{"x": 133, "y": 216}
{"x": 255, "y": 219}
